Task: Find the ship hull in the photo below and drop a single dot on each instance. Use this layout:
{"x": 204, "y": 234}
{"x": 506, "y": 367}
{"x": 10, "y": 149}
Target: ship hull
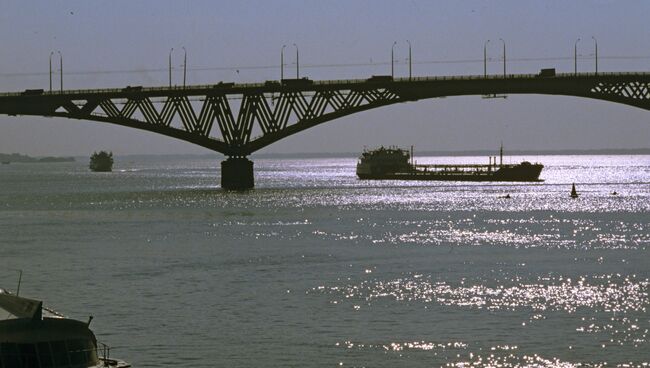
{"x": 522, "y": 173}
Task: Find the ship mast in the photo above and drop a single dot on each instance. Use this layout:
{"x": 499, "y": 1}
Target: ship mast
{"x": 501, "y": 155}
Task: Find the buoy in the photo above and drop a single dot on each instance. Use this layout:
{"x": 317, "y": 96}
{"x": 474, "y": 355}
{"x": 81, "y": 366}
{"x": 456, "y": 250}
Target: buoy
{"x": 614, "y": 193}
{"x": 574, "y": 193}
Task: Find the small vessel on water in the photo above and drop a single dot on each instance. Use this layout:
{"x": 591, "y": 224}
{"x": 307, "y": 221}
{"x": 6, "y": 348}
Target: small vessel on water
{"x": 37, "y": 337}
{"x": 574, "y": 193}
{"x": 101, "y": 162}
{"x": 394, "y": 163}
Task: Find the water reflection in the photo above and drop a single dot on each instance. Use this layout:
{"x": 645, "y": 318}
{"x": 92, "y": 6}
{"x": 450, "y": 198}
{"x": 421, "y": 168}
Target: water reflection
{"x": 609, "y": 293}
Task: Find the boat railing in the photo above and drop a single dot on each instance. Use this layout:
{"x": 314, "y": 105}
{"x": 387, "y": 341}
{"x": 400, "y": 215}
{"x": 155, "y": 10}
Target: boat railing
{"x": 103, "y": 352}
{"x": 457, "y": 167}
{"x": 104, "y": 355}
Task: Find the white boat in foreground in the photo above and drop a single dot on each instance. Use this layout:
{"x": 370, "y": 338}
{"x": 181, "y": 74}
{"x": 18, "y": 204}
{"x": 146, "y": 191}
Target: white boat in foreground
{"x": 36, "y": 337}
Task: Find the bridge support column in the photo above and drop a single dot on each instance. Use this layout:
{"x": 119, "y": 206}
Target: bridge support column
{"x": 237, "y": 174}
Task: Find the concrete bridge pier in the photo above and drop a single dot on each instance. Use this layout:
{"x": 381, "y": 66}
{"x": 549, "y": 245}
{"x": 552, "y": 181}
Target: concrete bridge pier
{"x": 237, "y": 173}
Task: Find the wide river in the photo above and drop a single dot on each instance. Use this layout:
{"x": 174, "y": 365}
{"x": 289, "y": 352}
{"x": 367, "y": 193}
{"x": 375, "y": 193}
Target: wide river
{"x": 315, "y": 268}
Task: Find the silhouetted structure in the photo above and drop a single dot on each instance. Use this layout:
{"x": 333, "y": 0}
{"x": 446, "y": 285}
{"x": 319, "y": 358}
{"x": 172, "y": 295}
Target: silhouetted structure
{"x": 397, "y": 164}
{"x": 38, "y": 337}
{"x": 101, "y": 162}
{"x": 574, "y": 193}
{"x": 283, "y": 108}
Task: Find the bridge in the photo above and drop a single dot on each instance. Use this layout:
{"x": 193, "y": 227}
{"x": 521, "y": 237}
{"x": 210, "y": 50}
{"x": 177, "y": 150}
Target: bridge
{"x": 278, "y": 109}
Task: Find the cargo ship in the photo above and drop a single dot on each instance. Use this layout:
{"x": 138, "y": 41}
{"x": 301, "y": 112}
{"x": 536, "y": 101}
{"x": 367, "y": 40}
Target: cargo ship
{"x": 393, "y": 163}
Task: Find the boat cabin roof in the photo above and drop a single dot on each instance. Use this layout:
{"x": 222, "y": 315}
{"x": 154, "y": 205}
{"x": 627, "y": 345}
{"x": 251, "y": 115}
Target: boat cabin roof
{"x": 29, "y": 324}
{"x": 21, "y": 307}
{"x": 26, "y": 330}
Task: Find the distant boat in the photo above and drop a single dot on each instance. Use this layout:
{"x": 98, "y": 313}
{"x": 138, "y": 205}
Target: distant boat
{"x": 574, "y": 193}
{"x": 38, "y": 334}
{"x": 102, "y": 161}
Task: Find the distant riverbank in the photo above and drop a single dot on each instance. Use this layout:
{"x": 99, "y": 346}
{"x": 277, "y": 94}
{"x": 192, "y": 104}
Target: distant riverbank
{"x": 421, "y": 153}
{"x": 17, "y": 157}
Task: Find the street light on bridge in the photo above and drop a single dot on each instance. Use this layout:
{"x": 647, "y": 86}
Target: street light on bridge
{"x": 170, "y": 67}
{"x": 61, "y": 68}
{"x": 596, "y": 53}
{"x": 282, "y": 63}
{"x": 184, "y": 66}
{"x": 504, "y": 57}
{"x": 575, "y": 57}
{"x": 485, "y": 58}
{"x": 410, "y": 74}
{"x": 51, "y": 53}
{"x": 297, "y": 62}
{"x": 392, "y": 60}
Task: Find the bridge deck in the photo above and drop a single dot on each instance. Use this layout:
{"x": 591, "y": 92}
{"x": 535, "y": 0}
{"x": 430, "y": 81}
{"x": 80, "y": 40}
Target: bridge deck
{"x": 276, "y": 86}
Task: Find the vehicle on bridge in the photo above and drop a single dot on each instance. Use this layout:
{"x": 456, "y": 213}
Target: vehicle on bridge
{"x": 224, "y": 85}
{"x": 32, "y": 92}
{"x": 298, "y": 82}
{"x": 132, "y": 89}
{"x": 394, "y": 163}
{"x": 545, "y": 73}
{"x": 380, "y": 78}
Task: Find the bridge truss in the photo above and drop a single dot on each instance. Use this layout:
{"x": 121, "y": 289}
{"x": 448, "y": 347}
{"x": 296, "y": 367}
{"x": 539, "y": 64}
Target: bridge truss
{"x": 225, "y": 117}
{"x": 221, "y": 117}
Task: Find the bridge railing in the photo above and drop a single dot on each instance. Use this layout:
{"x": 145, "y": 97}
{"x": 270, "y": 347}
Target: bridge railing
{"x": 319, "y": 82}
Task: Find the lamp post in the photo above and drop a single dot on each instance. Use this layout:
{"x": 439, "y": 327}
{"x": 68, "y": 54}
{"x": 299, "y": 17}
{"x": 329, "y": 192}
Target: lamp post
{"x": 170, "y": 67}
{"x": 596, "y": 52}
{"x": 282, "y": 63}
{"x": 51, "y": 53}
{"x": 61, "y": 67}
{"x": 575, "y": 57}
{"x": 392, "y": 60}
{"x": 184, "y": 66}
{"x": 485, "y": 58}
{"x": 504, "y": 57}
{"x": 297, "y": 62}
{"x": 410, "y": 74}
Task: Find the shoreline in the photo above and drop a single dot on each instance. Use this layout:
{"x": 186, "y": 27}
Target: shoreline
{"x": 22, "y": 158}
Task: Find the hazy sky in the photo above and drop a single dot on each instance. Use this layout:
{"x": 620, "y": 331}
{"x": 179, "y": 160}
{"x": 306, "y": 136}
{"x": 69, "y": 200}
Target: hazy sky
{"x": 119, "y": 43}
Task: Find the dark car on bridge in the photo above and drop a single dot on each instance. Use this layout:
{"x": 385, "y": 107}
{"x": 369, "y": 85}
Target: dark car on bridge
{"x": 32, "y": 92}
{"x": 545, "y": 73}
{"x": 380, "y": 78}
{"x": 297, "y": 82}
{"x": 132, "y": 89}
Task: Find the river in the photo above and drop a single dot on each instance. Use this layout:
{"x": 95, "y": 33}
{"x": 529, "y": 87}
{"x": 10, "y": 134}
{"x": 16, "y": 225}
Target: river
{"x": 315, "y": 268}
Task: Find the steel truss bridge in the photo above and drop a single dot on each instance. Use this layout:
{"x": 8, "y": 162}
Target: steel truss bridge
{"x": 278, "y": 109}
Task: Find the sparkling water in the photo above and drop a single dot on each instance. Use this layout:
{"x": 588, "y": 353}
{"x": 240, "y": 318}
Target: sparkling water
{"x": 317, "y": 268}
